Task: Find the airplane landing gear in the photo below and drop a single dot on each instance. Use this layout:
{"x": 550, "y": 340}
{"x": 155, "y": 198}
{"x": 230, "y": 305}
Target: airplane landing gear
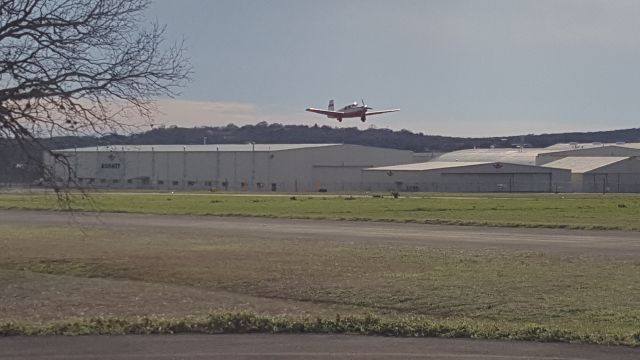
{"x": 363, "y": 119}
{"x": 339, "y": 119}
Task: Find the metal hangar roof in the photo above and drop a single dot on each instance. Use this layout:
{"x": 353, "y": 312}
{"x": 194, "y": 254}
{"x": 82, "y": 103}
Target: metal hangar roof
{"x": 197, "y": 148}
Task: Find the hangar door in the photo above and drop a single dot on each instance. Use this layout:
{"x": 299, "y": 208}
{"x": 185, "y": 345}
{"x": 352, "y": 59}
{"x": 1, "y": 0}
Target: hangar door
{"x": 337, "y": 178}
{"x": 618, "y": 183}
{"x": 488, "y": 182}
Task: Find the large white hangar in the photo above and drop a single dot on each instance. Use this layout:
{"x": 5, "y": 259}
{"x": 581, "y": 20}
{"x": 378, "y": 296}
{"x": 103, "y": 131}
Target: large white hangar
{"x": 561, "y": 151}
{"x": 541, "y": 156}
{"x": 527, "y": 156}
{"x": 602, "y": 174}
{"x": 250, "y": 167}
{"x": 467, "y": 177}
{"x": 595, "y": 167}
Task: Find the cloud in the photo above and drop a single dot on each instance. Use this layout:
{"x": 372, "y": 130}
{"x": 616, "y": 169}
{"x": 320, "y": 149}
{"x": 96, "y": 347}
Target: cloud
{"x": 188, "y": 113}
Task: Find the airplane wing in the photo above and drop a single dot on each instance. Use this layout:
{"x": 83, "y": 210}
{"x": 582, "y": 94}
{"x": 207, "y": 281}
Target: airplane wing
{"x": 381, "y": 112}
{"x": 325, "y": 112}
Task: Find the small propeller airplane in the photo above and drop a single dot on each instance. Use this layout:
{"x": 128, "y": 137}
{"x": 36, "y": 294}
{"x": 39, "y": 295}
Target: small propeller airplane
{"x": 350, "y": 111}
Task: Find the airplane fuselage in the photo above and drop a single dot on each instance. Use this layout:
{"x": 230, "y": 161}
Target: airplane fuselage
{"x": 350, "y": 111}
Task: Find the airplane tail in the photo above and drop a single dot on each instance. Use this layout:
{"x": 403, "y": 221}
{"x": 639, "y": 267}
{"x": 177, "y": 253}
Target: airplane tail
{"x": 330, "y": 105}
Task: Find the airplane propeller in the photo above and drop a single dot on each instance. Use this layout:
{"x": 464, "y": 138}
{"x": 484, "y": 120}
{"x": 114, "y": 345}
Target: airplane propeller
{"x": 365, "y": 106}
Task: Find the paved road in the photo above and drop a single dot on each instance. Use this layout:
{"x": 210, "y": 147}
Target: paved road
{"x": 265, "y": 346}
{"x": 554, "y": 241}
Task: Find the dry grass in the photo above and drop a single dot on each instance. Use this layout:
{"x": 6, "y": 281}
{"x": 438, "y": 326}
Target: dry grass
{"x": 126, "y": 272}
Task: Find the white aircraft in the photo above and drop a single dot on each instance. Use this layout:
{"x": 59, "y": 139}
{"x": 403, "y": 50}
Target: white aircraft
{"x": 350, "y": 111}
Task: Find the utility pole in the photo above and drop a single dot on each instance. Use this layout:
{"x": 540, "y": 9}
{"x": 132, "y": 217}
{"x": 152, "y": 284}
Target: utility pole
{"x": 184, "y": 167}
{"x": 253, "y": 165}
{"x": 154, "y": 178}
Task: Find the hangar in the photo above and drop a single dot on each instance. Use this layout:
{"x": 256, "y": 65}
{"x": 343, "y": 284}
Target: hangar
{"x": 234, "y": 167}
{"x": 561, "y": 151}
{"x": 593, "y": 167}
{"x": 525, "y": 156}
{"x": 602, "y": 174}
{"x": 467, "y": 177}
{"x": 541, "y": 156}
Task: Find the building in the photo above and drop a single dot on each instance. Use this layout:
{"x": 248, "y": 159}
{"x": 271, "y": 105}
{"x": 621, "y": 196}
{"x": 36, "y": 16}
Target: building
{"x": 541, "y": 156}
{"x": 526, "y": 156}
{"x": 593, "y": 167}
{"x": 561, "y": 151}
{"x": 602, "y": 174}
{"x": 444, "y": 176}
{"x": 239, "y": 167}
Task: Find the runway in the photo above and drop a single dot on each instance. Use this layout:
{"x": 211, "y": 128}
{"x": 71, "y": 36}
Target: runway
{"x": 550, "y": 241}
{"x": 317, "y": 347}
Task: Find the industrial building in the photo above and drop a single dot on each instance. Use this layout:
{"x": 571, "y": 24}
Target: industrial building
{"x": 467, "y": 177}
{"x": 242, "y": 167}
{"x": 593, "y": 167}
{"x": 561, "y": 151}
{"x": 602, "y": 174}
{"x": 541, "y": 156}
{"x": 505, "y": 155}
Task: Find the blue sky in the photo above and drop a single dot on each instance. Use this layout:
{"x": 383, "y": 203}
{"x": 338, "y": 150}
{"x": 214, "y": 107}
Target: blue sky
{"x": 459, "y": 68}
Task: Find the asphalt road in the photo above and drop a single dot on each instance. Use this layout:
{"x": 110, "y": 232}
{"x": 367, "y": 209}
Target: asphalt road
{"x": 553, "y": 241}
{"x": 265, "y": 346}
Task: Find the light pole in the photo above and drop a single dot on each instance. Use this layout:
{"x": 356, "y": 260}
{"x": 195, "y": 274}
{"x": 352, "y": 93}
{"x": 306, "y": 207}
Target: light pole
{"x": 184, "y": 166}
{"x": 253, "y": 165}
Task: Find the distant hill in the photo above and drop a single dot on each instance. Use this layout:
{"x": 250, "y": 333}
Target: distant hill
{"x": 17, "y": 166}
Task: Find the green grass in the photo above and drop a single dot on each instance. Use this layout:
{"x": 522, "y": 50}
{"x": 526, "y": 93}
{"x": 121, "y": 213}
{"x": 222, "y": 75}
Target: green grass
{"x": 553, "y": 211}
{"x": 405, "y": 290}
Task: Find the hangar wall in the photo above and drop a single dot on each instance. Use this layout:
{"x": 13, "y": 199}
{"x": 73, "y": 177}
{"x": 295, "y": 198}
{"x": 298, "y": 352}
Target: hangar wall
{"x": 467, "y": 177}
{"x": 594, "y": 173}
{"x": 621, "y": 176}
{"x": 339, "y": 167}
{"x": 607, "y": 183}
{"x": 258, "y": 167}
{"x": 602, "y": 173}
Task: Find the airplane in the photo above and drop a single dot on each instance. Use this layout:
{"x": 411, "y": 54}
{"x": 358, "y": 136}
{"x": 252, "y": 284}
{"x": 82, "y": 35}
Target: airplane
{"x": 349, "y": 111}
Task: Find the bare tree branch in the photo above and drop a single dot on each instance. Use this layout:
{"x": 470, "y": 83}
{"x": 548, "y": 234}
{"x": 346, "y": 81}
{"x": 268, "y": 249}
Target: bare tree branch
{"x": 81, "y": 66}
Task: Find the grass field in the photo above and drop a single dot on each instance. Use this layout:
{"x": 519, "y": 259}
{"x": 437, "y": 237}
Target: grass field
{"x": 140, "y": 280}
{"x": 551, "y": 210}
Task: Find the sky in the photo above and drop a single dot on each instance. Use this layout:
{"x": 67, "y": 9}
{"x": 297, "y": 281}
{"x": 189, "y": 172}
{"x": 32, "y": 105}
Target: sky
{"x": 454, "y": 68}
